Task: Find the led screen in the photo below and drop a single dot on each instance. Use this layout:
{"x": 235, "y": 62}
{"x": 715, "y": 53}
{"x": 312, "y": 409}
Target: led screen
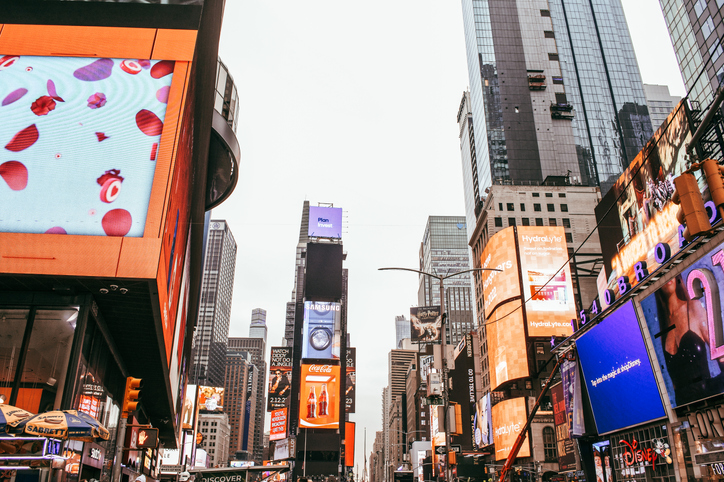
{"x": 564, "y": 443}
{"x": 278, "y": 427}
{"x": 684, "y": 318}
{"x": 506, "y": 344}
{"x": 509, "y": 417}
{"x": 643, "y": 213}
{"x": 482, "y": 423}
{"x": 80, "y": 139}
{"x": 322, "y": 329}
{"x": 325, "y": 222}
{"x": 280, "y": 378}
{"x": 499, "y": 286}
{"x": 547, "y": 288}
{"x": 351, "y": 381}
{"x": 319, "y": 396}
{"x": 211, "y": 398}
{"x": 616, "y": 365}
{"x": 425, "y": 324}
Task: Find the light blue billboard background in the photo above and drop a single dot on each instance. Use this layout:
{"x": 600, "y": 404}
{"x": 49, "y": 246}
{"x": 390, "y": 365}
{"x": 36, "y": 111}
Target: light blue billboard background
{"x": 618, "y": 375}
{"x": 325, "y": 222}
{"x": 77, "y": 142}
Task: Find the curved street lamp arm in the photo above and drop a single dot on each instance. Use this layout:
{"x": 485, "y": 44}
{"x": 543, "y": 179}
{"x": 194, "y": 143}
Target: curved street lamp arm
{"x": 470, "y": 271}
{"x": 413, "y": 270}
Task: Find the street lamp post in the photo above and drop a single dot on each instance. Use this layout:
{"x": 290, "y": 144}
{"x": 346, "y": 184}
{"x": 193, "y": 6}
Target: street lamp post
{"x": 445, "y": 398}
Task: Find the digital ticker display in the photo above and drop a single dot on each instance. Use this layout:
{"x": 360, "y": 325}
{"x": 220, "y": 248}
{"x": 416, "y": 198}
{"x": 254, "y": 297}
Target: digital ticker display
{"x": 616, "y": 368}
{"x": 80, "y": 138}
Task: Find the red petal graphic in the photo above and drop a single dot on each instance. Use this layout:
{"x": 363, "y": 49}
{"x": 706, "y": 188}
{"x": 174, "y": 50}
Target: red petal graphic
{"x": 149, "y": 123}
{"x": 162, "y": 69}
{"x": 56, "y": 230}
{"x": 23, "y": 139}
{"x": 101, "y": 136}
{"x": 16, "y": 95}
{"x": 15, "y": 174}
{"x": 117, "y": 222}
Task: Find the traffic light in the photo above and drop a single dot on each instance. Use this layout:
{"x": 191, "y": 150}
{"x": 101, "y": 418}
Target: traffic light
{"x": 714, "y": 174}
{"x": 692, "y": 213}
{"x": 147, "y": 438}
{"x": 452, "y": 458}
{"x": 132, "y": 395}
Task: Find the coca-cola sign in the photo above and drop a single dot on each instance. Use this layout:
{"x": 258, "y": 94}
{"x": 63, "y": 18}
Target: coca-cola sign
{"x": 320, "y": 368}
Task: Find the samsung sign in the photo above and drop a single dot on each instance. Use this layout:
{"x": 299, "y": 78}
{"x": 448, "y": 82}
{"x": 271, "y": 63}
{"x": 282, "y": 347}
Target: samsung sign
{"x": 325, "y": 222}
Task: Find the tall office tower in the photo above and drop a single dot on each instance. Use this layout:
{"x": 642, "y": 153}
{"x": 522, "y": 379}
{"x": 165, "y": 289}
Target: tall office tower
{"x": 660, "y": 103}
{"x": 298, "y": 277}
{"x": 396, "y": 402}
{"x": 402, "y": 330}
{"x": 554, "y": 91}
{"x": 697, "y": 29}
{"x": 217, "y": 287}
{"x": 257, "y": 329}
{"x": 256, "y": 347}
{"x": 444, "y": 251}
{"x": 238, "y": 369}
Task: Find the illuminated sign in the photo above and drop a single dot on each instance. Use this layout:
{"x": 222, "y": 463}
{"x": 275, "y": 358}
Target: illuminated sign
{"x": 325, "y": 222}
{"x": 81, "y": 139}
{"x": 280, "y": 378}
{"x": 319, "y": 396}
{"x": 506, "y": 344}
{"x": 211, "y": 399}
{"x": 499, "y": 286}
{"x": 147, "y": 438}
{"x": 482, "y": 423}
{"x": 351, "y": 381}
{"x": 322, "y": 330}
{"x": 547, "y": 283}
{"x": 509, "y": 417}
{"x": 615, "y": 364}
{"x": 425, "y": 324}
{"x": 278, "y": 428}
{"x": 564, "y": 443}
{"x": 685, "y": 316}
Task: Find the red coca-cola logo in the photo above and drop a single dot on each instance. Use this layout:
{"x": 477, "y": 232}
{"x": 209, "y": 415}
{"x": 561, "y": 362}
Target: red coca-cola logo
{"x": 320, "y": 368}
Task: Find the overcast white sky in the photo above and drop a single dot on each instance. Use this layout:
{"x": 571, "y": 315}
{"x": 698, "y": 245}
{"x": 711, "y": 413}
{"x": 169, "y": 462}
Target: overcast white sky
{"x": 354, "y": 103}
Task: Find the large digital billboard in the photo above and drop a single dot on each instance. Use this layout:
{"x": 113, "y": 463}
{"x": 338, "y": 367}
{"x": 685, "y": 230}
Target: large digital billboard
{"x": 506, "y": 344}
{"x": 425, "y": 324}
{"x": 509, "y": 417}
{"x": 211, "y": 399}
{"x": 280, "y": 378}
{"x": 482, "y": 423}
{"x": 325, "y": 222}
{"x": 81, "y": 138}
{"x": 321, "y": 330}
{"x": 351, "y": 381}
{"x": 547, "y": 284}
{"x": 642, "y": 213}
{"x": 684, "y": 318}
{"x": 500, "y": 253}
{"x": 615, "y": 365}
{"x": 564, "y": 442}
{"x": 319, "y": 396}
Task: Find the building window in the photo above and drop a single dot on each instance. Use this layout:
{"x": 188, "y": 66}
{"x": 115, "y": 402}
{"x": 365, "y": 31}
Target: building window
{"x": 551, "y": 208}
{"x": 522, "y": 206}
{"x": 539, "y": 221}
{"x": 552, "y": 56}
{"x": 569, "y": 238}
{"x": 564, "y": 208}
{"x": 549, "y": 34}
{"x": 699, "y": 7}
{"x": 707, "y": 28}
{"x": 561, "y": 194}
{"x": 552, "y": 222}
{"x": 545, "y": 13}
{"x": 558, "y": 80}
{"x": 536, "y": 207}
{"x": 549, "y": 445}
{"x": 536, "y": 194}
{"x": 526, "y": 221}
{"x": 511, "y": 221}
{"x": 566, "y": 223}
{"x": 549, "y": 194}
{"x": 500, "y": 206}
{"x": 510, "y": 206}
{"x": 540, "y": 349}
{"x": 498, "y": 222}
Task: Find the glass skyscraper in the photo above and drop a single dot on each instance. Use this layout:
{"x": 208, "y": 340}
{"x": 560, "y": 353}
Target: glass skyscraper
{"x": 554, "y": 91}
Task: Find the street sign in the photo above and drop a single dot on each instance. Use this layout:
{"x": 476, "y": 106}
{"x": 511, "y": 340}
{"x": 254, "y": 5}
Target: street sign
{"x": 440, "y": 449}
{"x": 456, "y": 448}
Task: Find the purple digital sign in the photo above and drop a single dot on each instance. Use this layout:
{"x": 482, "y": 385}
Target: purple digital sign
{"x": 325, "y": 222}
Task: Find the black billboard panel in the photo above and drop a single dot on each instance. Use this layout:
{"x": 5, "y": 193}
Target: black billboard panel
{"x": 323, "y": 279}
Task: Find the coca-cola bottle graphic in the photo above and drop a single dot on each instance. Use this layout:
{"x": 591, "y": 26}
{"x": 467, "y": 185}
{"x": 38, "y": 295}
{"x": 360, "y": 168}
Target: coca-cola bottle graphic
{"x": 323, "y": 401}
{"x": 312, "y": 403}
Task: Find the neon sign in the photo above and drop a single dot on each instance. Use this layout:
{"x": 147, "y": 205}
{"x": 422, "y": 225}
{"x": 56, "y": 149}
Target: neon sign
{"x": 635, "y": 454}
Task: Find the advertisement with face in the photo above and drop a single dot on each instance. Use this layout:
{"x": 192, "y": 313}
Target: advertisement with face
{"x": 483, "y": 423}
{"x": 211, "y": 399}
{"x": 645, "y": 215}
{"x": 573, "y": 397}
{"x": 500, "y": 253}
{"x": 550, "y": 309}
{"x": 325, "y": 222}
{"x": 280, "y": 378}
{"x": 506, "y": 344}
{"x": 322, "y": 329}
{"x": 564, "y": 443}
{"x": 351, "y": 381}
{"x": 509, "y": 417}
{"x": 319, "y": 392}
{"x": 84, "y": 133}
{"x": 425, "y": 324}
{"x": 615, "y": 365}
{"x": 602, "y": 461}
{"x": 684, "y": 318}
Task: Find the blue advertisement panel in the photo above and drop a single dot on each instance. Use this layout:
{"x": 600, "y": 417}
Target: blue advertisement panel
{"x": 81, "y": 138}
{"x": 482, "y": 423}
{"x": 325, "y": 222}
{"x": 618, "y": 375}
{"x": 685, "y": 321}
